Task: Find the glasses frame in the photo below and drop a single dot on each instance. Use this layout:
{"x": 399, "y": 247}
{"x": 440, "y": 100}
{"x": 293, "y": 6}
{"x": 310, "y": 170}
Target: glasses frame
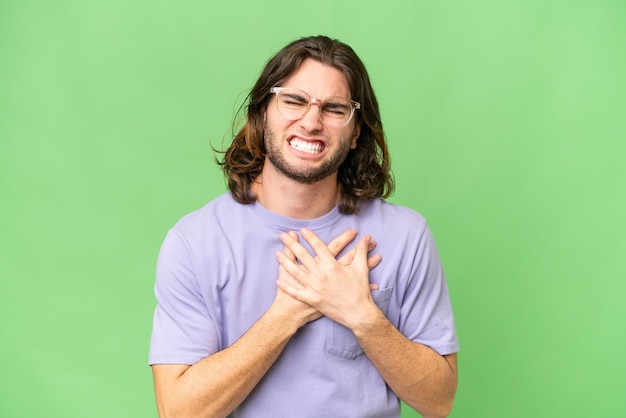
{"x": 354, "y": 105}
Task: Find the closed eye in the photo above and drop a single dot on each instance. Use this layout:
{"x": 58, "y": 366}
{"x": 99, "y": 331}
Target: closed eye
{"x": 294, "y": 100}
{"x": 336, "y": 108}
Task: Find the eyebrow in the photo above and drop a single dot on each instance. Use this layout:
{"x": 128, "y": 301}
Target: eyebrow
{"x": 330, "y": 103}
{"x": 295, "y": 95}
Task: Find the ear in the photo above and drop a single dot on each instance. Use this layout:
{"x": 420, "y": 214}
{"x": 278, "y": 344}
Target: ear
{"x": 355, "y": 135}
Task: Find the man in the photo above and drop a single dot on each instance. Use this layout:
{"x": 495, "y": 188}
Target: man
{"x": 271, "y": 302}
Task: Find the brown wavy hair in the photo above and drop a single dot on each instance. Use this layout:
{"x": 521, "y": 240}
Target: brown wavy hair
{"x": 366, "y": 172}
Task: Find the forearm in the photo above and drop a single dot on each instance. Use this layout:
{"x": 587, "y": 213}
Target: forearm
{"x": 420, "y": 377}
{"x": 216, "y": 385}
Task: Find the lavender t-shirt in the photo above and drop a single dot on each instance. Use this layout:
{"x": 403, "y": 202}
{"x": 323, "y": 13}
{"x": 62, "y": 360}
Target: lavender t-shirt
{"x": 216, "y": 276}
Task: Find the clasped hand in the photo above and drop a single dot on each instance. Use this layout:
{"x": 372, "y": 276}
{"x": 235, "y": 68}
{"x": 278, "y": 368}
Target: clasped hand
{"x": 336, "y": 288}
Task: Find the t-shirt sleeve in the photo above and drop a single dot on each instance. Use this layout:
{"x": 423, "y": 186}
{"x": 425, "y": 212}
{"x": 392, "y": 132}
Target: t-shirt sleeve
{"x": 426, "y": 314}
{"x": 183, "y": 330}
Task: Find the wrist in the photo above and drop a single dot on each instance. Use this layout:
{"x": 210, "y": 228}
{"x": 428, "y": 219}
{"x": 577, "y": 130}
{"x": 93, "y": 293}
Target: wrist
{"x": 290, "y": 318}
{"x": 370, "y": 318}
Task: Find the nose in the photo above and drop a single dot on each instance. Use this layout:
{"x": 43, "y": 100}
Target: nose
{"x": 312, "y": 119}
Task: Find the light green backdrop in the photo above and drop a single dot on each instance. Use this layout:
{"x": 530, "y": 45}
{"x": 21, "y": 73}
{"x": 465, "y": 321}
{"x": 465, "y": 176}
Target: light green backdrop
{"x": 507, "y": 125}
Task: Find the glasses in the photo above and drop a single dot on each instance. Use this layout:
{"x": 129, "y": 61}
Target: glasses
{"x": 293, "y": 104}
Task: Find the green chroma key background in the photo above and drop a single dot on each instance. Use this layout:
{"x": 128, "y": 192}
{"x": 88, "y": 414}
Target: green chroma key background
{"x": 507, "y": 127}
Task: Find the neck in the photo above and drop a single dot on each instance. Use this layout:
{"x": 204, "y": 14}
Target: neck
{"x": 292, "y": 199}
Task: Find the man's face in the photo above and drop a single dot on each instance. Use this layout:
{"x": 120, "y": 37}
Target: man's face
{"x": 306, "y": 150}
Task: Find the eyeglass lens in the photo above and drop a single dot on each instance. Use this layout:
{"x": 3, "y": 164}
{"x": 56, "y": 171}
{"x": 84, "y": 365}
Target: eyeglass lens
{"x": 293, "y": 104}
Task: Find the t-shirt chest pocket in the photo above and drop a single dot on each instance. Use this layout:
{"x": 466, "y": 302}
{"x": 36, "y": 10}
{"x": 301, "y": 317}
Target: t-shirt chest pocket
{"x": 340, "y": 341}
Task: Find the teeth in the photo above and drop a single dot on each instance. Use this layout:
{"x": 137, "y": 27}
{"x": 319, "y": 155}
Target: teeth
{"x": 311, "y": 148}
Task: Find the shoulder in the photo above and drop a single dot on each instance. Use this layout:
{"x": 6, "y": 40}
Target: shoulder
{"x": 392, "y": 215}
{"x": 222, "y": 209}
{"x": 203, "y": 232}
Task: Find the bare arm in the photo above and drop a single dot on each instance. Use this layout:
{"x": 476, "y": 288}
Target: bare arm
{"x": 419, "y": 376}
{"x": 217, "y": 384}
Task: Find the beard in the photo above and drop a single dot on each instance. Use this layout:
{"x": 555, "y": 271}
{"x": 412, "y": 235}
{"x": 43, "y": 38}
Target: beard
{"x": 304, "y": 175}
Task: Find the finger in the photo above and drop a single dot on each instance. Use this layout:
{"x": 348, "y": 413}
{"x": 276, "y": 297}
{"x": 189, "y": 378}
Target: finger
{"x": 289, "y": 271}
{"x": 360, "y": 255}
{"x": 286, "y": 249}
{"x": 348, "y": 257}
{"x": 373, "y": 261}
{"x": 373, "y": 286}
{"x": 295, "y": 292}
{"x": 296, "y": 248}
{"x": 339, "y": 243}
{"x": 321, "y": 250}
